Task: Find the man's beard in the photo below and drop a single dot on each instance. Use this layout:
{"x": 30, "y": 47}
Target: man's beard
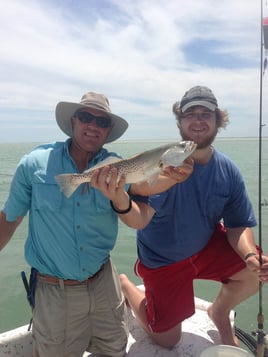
{"x": 201, "y": 145}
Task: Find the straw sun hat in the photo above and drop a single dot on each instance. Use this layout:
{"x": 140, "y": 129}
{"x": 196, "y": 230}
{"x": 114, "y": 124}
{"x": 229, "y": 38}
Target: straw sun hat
{"x": 65, "y": 110}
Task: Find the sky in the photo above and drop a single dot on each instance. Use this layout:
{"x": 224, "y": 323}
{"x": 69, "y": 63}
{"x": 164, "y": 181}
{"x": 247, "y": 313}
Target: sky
{"x": 143, "y": 55}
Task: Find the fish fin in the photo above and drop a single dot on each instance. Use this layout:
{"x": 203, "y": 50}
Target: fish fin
{"x": 152, "y": 180}
{"x": 110, "y": 160}
{"x": 86, "y": 188}
{"x": 67, "y": 185}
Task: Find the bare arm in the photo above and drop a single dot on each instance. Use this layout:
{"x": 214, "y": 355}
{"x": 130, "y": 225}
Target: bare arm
{"x": 242, "y": 241}
{"x": 139, "y": 215}
{"x": 170, "y": 177}
{"x": 7, "y": 229}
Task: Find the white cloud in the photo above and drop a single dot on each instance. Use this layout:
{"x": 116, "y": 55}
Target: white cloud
{"x": 142, "y": 54}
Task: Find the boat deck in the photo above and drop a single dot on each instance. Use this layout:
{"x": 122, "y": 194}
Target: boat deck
{"x": 199, "y": 332}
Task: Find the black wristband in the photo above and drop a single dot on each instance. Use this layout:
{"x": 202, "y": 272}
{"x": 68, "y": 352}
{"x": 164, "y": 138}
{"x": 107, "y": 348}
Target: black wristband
{"x": 249, "y": 255}
{"x": 123, "y": 211}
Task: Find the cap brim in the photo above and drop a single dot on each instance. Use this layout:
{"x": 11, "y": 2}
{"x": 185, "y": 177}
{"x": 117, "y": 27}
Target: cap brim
{"x": 65, "y": 110}
{"x": 202, "y": 103}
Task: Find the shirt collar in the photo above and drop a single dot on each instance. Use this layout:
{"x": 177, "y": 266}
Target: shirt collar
{"x": 101, "y": 155}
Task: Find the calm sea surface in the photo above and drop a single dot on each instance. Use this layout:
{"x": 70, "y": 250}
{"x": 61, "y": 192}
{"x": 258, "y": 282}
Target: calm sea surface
{"x": 14, "y": 310}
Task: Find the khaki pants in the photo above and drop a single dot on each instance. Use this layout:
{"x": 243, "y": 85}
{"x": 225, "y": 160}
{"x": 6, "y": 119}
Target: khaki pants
{"x": 69, "y": 320}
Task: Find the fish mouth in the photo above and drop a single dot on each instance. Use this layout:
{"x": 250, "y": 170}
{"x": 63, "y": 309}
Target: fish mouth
{"x": 188, "y": 146}
{"x": 175, "y": 156}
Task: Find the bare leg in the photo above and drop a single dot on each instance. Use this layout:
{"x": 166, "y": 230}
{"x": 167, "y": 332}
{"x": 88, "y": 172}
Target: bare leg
{"x": 240, "y": 286}
{"x": 137, "y": 301}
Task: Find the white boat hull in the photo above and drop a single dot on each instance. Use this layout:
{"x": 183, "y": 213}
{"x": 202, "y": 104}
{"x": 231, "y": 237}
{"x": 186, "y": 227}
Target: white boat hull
{"x": 199, "y": 332}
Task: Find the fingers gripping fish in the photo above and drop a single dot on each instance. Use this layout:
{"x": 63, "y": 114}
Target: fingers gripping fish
{"x": 144, "y": 166}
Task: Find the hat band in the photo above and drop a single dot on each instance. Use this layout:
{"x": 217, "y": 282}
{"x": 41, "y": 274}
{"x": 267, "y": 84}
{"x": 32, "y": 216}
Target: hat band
{"x": 96, "y": 105}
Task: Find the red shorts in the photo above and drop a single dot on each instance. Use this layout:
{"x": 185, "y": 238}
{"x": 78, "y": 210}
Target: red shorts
{"x": 169, "y": 289}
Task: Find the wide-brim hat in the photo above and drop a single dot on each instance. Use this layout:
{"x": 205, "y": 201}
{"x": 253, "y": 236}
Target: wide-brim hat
{"x": 65, "y": 110}
{"x": 198, "y": 95}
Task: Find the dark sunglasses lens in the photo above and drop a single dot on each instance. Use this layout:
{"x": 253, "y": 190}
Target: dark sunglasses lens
{"x": 85, "y": 117}
{"x": 103, "y": 122}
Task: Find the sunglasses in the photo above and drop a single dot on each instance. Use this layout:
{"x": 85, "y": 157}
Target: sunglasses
{"x": 86, "y": 117}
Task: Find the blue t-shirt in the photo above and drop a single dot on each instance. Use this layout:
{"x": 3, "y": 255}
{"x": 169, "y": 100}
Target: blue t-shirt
{"x": 186, "y": 214}
{"x": 68, "y": 237}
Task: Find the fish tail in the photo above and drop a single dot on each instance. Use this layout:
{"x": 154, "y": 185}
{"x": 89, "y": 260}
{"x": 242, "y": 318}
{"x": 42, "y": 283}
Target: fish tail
{"x": 67, "y": 184}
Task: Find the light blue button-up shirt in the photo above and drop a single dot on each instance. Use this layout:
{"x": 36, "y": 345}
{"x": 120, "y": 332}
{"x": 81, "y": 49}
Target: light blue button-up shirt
{"x": 70, "y": 238}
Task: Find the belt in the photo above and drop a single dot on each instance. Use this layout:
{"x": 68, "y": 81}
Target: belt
{"x": 67, "y": 282}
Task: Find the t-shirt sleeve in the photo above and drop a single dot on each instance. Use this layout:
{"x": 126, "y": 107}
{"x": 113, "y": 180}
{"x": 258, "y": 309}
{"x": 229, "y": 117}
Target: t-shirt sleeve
{"x": 155, "y": 201}
{"x": 238, "y": 211}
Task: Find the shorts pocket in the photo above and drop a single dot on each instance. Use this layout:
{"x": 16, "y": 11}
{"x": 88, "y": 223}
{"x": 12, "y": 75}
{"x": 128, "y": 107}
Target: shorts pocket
{"x": 113, "y": 290}
{"x": 49, "y": 314}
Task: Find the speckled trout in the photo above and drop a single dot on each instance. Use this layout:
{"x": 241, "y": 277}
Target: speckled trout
{"x": 144, "y": 166}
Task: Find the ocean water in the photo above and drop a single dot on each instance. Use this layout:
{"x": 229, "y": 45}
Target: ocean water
{"x": 14, "y": 309}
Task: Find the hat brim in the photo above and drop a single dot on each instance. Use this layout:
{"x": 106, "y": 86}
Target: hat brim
{"x": 202, "y": 103}
{"x": 65, "y": 110}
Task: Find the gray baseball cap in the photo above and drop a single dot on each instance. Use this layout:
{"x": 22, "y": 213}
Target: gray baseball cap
{"x": 198, "y": 95}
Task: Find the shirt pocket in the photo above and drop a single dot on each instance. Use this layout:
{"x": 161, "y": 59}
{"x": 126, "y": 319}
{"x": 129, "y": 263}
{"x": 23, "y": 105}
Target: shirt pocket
{"x": 46, "y": 194}
{"x": 101, "y": 203}
{"x": 216, "y": 206}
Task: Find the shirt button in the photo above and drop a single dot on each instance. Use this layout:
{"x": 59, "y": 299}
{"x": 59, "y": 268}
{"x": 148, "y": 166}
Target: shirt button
{"x": 81, "y": 249}
{"x": 78, "y": 226}
{"x": 78, "y": 204}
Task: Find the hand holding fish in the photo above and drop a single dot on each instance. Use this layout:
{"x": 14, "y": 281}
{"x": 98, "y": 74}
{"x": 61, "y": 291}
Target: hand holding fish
{"x": 108, "y": 180}
{"x": 145, "y": 166}
{"x": 110, "y": 183}
{"x": 179, "y": 173}
{"x": 169, "y": 176}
